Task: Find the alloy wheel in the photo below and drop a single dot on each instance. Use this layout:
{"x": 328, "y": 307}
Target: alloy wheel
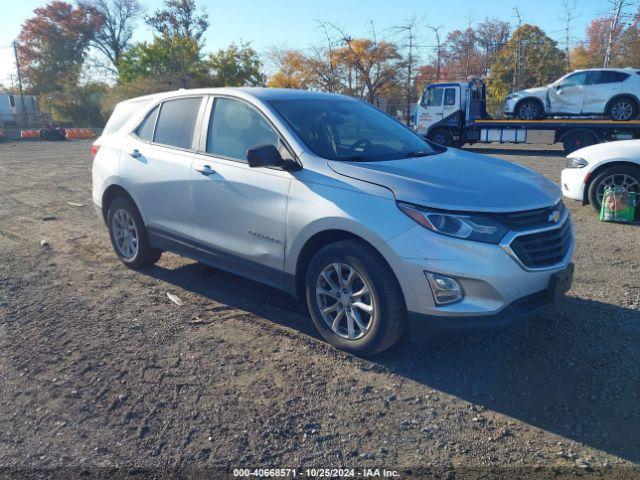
{"x": 618, "y": 180}
{"x": 125, "y": 234}
{"x": 528, "y": 111}
{"x": 622, "y": 110}
{"x": 345, "y": 301}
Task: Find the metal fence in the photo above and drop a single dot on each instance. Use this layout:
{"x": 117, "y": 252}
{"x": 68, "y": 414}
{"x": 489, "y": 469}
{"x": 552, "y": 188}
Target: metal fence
{"x": 24, "y": 120}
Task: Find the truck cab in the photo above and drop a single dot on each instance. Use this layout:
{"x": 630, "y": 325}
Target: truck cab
{"x": 444, "y": 108}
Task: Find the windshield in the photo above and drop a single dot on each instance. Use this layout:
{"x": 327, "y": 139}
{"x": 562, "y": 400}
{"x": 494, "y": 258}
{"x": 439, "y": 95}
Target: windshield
{"x": 344, "y": 129}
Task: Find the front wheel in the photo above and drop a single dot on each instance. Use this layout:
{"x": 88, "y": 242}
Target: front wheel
{"x": 620, "y": 176}
{"x": 529, "y": 110}
{"x": 354, "y": 298}
{"x": 441, "y": 137}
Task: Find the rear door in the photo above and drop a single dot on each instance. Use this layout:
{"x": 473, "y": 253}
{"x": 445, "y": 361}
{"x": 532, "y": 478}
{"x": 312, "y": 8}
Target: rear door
{"x": 567, "y": 95}
{"x": 240, "y": 211}
{"x": 156, "y": 166}
{"x": 602, "y": 85}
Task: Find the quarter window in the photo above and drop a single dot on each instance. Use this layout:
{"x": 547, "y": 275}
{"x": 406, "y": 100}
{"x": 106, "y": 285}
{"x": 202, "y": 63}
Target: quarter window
{"x": 235, "y": 127}
{"x": 145, "y": 129}
{"x": 177, "y": 121}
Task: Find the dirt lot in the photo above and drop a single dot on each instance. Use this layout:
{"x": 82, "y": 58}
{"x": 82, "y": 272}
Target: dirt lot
{"x": 99, "y": 368}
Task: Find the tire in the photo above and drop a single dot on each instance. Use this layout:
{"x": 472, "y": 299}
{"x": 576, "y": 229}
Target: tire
{"x": 529, "y": 110}
{"x": 596, "y": 186}
{"x": 387, "y": 322}
{"x": 622, "y": 109}
{"x": 44, "y": 134}
{"x": 123, "y": 211}
{"x": 576, "y": 140}
{"x": 441, "y": 137}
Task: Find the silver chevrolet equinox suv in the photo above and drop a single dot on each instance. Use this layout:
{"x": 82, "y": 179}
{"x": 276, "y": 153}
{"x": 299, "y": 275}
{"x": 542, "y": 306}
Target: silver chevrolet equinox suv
{"x": 330, "y": 199}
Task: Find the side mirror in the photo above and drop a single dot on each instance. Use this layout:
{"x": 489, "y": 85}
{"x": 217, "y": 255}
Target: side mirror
{"x": 269, "y": 156}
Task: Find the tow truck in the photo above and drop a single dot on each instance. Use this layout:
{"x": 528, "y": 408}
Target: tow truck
{"x": 455, "y": 113}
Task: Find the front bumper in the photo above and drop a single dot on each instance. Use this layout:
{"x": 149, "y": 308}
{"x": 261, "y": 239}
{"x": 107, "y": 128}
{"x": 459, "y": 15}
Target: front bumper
{"x": 510, "y": 106}
{"x": 573, "y": 183}
{"x": 497, "y": 288}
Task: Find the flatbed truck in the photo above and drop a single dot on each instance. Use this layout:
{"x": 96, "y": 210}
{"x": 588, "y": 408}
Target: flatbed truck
{"x": 454, "y": 113}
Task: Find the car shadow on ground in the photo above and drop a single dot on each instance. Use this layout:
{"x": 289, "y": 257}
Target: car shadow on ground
{"x": 573, "y": 371}
{"x": 515, "y": 151}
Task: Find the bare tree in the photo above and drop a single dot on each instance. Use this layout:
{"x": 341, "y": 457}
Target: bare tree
{"x": 118, "y": 22}
{"x": 617, "y": 15}
{"x": 491, "y": 35}
{"x": 409, "y": 29}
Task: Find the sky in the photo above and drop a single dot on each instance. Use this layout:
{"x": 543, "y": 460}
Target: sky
{"x": 293, "y": 24}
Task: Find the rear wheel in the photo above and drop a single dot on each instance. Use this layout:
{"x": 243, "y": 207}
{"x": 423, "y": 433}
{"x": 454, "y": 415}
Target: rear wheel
{"x": 354, "y": 298}
{"x": 623, "y": 109}
{"x": 441, "y": 137}
{"x": 576, "y": 140}
{"x": 129, "y": 235}
{"x": 529, "y": 110}
{"x": 620, "y": 176}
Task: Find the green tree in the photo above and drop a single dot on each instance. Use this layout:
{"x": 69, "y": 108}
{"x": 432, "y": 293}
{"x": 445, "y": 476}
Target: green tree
{"x": 172, "y": 61}
{"x": 236, "y": 66}
{"x": 529, "y": 59}
{"x": 80, "y": 105}
{"x": 179, "y": 18}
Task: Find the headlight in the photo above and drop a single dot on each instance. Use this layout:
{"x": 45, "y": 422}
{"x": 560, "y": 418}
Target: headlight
{"x": 576, "y": 162}
{"x": 479, "y": 228}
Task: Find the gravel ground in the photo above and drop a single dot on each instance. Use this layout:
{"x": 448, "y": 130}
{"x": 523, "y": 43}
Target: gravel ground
{"x": 98, "y": 368}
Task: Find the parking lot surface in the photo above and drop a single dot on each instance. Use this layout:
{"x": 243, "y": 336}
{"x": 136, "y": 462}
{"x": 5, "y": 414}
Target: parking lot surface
{"x": 99, "y": 368}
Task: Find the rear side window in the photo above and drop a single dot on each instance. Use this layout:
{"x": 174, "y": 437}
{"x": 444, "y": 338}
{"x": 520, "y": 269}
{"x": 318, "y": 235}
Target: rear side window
{"x": 607, "y": 77}
{"x": 236, "y": 127}
{"x": 122, "y": 113}
{"x": 145, "y": 129}
{"x": 176, "y": 122}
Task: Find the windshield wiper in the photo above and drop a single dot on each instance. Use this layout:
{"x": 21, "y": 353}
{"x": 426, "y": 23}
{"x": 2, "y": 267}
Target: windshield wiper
{"x": 418, "y": 153}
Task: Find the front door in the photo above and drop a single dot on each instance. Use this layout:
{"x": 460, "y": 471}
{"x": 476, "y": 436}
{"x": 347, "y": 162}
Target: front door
{"x": 430, "y": 110}
{"x": 567, "y": 95}
{"x": 240, "y": 211}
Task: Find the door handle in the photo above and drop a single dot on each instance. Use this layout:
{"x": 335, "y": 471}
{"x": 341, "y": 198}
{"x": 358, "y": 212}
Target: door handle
{"x": 135, "y": 153}
{"x": 205, "y": 170}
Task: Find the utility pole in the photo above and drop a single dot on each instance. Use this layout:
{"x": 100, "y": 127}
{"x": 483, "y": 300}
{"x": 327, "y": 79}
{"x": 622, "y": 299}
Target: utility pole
{"x": 569, "y": 7}
{"x": 516, "y": 73}
{"x": 410, "y": 44}
{"x": 613, "y": 25}
{"x": 436, "y": 31}
{"x": 15, "y": 53}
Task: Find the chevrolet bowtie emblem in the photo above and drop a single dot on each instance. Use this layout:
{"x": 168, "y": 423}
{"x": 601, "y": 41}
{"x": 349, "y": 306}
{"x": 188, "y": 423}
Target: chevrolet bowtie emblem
{"x": 554, "y": 217}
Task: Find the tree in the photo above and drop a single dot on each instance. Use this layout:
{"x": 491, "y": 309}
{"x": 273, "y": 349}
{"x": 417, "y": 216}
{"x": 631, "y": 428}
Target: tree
{"x": 118, "y": 21}
{"x": 491, "y": 36}
{"x": 292, "y": 70}
{"x": 172, "y": 61}
{"x": 53, "y": 44}
{"x": 236, "y": 66}
{"x": 179, "y": 19}
{"x": 536, "y": 57}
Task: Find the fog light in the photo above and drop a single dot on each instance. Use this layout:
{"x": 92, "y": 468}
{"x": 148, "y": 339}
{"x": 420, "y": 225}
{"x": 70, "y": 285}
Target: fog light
{"x": 445, "y": 290}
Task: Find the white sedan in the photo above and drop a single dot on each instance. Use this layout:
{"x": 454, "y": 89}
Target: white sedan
{"x": 589, "y": 170}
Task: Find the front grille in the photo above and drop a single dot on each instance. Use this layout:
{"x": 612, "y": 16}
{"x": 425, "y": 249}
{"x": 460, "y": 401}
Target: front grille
{"x": 530, "y": 219}
{"x": 543, "y": 249}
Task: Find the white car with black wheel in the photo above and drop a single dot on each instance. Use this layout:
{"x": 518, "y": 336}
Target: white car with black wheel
{"x": 589, "y": 170}
{"x": 612, "y": 92}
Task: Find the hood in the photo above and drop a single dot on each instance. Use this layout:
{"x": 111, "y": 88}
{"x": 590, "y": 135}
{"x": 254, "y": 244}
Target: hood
{"x": 540, "y": 92}
{"x": 622, "y": 149}
{"x": 457, "y": 180}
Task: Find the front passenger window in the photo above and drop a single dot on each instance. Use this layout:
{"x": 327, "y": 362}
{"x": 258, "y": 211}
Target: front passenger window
{"x": 235, "y": 127}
